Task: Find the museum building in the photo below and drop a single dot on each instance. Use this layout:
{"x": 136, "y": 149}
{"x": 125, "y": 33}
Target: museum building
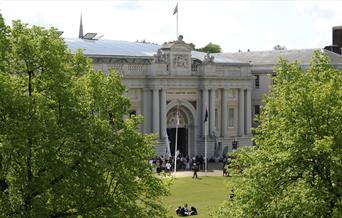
{"x": 165, "y": 80}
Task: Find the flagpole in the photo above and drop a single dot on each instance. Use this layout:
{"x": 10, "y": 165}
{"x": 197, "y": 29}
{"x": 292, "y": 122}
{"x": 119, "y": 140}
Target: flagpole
{"x": 205, "y": 148}
{"x": 176, "y": 140}
{"x": 177, "y": 21}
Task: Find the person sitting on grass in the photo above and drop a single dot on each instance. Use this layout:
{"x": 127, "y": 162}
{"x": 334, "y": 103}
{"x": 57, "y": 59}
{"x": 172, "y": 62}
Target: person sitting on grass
{"x": 178, "y": 210}
{"x": 193, "y": 211}
{"x": 184, "y": 210}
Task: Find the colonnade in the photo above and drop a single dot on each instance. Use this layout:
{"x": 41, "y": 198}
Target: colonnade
{"x": 244, "y": 111}
{"x": 157, "y": 122}
{"x": 155, "y": 119}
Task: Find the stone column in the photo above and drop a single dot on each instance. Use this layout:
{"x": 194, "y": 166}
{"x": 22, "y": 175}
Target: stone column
{"x": 199, "y": 127}
{"x": 146, "y": 111}
{"x": 212, "y": 111}
{"x": 204, "y": 108}
{"x": 163, "y": 113}
{"x": 241, "y": 112}
{"x": 156, "y": 111}
{"x": 224, "y": 113}
{"x": 248, "y": 112}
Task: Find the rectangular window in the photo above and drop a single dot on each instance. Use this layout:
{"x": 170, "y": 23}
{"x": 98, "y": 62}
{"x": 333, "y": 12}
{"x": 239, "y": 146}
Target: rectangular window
{"x": 231, "y": 117}
{"x": 257, "y": 81}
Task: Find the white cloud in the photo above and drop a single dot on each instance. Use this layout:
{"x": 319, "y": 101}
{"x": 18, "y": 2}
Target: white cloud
{"x": 234, "y": 25}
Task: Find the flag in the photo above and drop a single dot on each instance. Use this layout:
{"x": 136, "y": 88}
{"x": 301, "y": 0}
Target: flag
{"x": 206, "y": 115}
{"x": 175, "y": 10}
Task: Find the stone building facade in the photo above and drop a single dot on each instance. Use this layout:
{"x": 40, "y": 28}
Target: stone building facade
{"x": 163, "y": 81}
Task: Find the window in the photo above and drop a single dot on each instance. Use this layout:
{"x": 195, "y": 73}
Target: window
{"x": 256, "y": 109}
{"x": 257, "y": 81}
{"x": 231, "y": 117}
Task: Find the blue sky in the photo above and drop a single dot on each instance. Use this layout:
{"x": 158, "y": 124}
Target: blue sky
{"x": 254, "y": 25}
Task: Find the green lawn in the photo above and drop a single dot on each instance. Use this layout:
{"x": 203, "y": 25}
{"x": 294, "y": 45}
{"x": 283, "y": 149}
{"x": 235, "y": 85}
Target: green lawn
{"x": 205, "y": 193}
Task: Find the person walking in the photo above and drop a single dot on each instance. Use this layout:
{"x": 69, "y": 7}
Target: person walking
{"x": 195, "y": 170}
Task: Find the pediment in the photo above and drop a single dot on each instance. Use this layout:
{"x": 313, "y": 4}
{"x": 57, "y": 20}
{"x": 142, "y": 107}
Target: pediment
{"x": 181, "y": 48}
{"x": 177, "y": 46}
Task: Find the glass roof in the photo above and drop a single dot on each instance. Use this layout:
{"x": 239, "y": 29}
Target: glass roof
{"x": 105, "y": 47}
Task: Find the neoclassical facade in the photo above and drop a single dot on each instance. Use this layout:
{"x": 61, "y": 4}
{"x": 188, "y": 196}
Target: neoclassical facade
{"x": 169, "y": 79}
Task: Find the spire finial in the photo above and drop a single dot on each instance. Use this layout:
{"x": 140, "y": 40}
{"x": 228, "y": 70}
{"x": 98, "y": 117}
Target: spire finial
{"x": 80, "y": 34}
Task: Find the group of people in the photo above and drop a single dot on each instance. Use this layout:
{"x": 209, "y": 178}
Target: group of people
{"x": 183, "y": 162}
{"x": 185, "y": 211}
{"x": 162, "y": 164}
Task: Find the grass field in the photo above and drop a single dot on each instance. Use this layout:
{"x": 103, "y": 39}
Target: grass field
{"x": 205, "y": 193}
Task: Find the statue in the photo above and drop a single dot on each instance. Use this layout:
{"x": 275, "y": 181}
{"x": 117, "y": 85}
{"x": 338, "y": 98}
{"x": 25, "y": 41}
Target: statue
{"x": 217, "y": 145}
{"x": 159, "y": 57}
{"x": 208, "y": 59}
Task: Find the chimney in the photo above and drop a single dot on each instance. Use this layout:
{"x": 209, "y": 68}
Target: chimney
{"x": 336, "y": 40}
{"x": 337, "y": 36}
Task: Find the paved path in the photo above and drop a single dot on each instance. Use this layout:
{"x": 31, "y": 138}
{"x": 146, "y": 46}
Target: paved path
{"x": 214, "y": 169}
{"x": 200, "y": 173}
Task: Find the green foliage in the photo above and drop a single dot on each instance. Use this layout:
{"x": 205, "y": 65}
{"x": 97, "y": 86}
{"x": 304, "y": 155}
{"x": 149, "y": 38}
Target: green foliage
{"x": 4, "y": 45}
{"x": 65, "y": 148}
{"x": 295, "y": 169}
{"x": 210, "y": 48}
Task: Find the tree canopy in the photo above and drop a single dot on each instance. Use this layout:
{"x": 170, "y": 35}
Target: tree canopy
{"x": 65, "y": 148}
{"x": 295, "y": 169}
{"x": 210, "y": 48}
{"x": 279, "y": 47}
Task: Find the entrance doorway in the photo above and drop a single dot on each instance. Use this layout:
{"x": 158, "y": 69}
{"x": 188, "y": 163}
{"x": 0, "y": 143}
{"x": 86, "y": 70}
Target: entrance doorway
{"x": 182, "y": 144}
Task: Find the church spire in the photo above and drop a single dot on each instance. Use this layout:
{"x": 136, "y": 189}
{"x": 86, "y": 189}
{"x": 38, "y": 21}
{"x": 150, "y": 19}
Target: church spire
{"x": 80, "y": 34}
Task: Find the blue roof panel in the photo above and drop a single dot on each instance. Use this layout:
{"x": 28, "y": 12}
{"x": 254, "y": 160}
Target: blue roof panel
{"x": 105, "y": 47}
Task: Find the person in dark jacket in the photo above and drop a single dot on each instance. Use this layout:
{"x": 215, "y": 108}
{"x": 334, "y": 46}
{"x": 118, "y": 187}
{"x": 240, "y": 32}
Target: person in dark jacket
{"x": 195, "y": 170}
{"x": 193, "y": 211}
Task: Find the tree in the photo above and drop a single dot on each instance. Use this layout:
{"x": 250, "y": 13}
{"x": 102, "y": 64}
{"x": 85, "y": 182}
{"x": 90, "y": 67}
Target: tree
{"x": 65, "y": 148}
{"x": 295, "y": 169}
{"x": 279, "y": 47}
{"x": 210, "y": 48}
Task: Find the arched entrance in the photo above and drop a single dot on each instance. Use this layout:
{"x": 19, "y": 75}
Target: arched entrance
{"x": 186, "y": 133}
